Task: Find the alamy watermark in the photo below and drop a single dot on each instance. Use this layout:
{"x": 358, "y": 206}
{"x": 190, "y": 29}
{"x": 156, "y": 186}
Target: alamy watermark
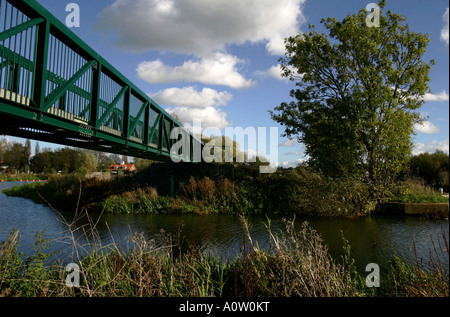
{"x": 261, "y": 143}
{"x": 73, "y": 18}
{"x": 73, "y": 278}
{"x": 373, "y": 279}
{"x": 373, "y": 18}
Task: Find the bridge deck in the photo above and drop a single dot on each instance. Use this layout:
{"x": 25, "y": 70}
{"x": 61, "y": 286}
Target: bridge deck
{"x": 55, "y": 88}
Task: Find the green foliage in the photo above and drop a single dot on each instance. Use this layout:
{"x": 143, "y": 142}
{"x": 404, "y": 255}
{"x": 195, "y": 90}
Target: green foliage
{"x": 298, "y": 191}
{"x": 15, "y": 155}
{"x": 358, "y": 89}
{"x": 140, "y": 201}
{"x": 416, "y": 191}
{"x": 70, "y": 192}
{"x": 297, "y": 264}
{"x": 431, "y": 167}
{"x": 304, "y": 192}
{"x": 29, "y": 278}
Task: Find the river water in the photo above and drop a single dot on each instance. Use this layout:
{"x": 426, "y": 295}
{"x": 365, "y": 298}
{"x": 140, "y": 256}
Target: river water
{"x": 372, "y": 239}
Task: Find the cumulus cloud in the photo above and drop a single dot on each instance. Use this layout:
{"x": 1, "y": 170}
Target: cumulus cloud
{"x": 274, "y": 72}
{"x": 189, "y": 97}
{"x": 289, "y": 143}
{"x": 191, "y": 106}
{"x": 216, "y": 69}
{"x": 209, "y": 117}
{"x": 293, "y": 163}
{"x": 444, "y": 31}
{"x": 441, "y": 97}
{"x": 199, "y": 26}
{"x": 431, "y": 147}
{"x": 426, "y": 127}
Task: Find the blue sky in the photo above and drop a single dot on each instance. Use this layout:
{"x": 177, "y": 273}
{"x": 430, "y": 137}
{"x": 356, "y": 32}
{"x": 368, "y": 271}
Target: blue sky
{"x": 216, "y": 60}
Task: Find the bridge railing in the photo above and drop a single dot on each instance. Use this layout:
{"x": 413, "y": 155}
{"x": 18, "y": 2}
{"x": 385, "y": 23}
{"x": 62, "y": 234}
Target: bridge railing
{"x": 49, "y": 75}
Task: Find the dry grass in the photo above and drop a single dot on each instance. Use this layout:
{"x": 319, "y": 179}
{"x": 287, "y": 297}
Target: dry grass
{"x": 298, "y": 264}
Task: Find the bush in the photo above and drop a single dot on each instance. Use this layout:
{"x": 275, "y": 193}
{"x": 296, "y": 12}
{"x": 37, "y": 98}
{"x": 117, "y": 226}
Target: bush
{"x": 416, "y": 191}
{"x": 303, "y": 192}
{"x": 433, "y": 168}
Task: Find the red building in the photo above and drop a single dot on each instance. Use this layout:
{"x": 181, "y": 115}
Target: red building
{"x": 126, "y": 168}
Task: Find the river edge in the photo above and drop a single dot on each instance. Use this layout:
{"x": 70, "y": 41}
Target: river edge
{"x": 172, "y": 205}
{"x": 262, "y": 265}
{"x": 428, "y": 210}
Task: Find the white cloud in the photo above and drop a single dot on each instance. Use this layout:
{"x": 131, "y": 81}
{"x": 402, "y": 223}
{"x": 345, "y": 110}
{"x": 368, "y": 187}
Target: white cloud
{"x": 209, "y": 117}
{"x": 441, "y": 97}
{"x": 253, "y": 154}
{"x": 426, "y": 127}
{"x": 293, "y": 163}
{"x": 191, "y": 105}
{"x": 296, "y": 153}
{"x": 431, "y": 147}
{"x": 199, "y": 26}
{"x": 444, "y": 31}
{"x": 216, "y": 69}
{"x": 189, "y": 97}
{"x": 274, "y": 71}
{"x": 289, "y": 143}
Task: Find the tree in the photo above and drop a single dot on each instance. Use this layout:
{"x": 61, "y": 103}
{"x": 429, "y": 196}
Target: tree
{"x": 13, "y": 157}
{"x": 141, "y": 163}
{"x": 87, "y": 162}
{"x": 3, "y": 146}
{"x": 37, "y": 149}
{"x": 431, "y": 167}
{"x": 27, "y": 155}
{"x": 222, "y": 149}
{"x": 357, "y": 91}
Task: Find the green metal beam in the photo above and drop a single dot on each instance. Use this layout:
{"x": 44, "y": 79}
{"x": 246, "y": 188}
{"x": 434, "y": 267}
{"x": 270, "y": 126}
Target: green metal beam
{"x": 55, "y": 95}
{"x": 155, "y": 126}
{"x": 48, "y": 55}
{"x": 40, "y": 70}
{"x": 112, "y": 105}
{"x": 20, "y": 28}
{"x": 136, "y": 120}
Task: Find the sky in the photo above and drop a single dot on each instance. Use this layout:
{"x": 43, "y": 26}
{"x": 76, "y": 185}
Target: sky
{"x": 217, "y": 60}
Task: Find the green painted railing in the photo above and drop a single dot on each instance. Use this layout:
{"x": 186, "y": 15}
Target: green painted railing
{"x": 55, "y": 88}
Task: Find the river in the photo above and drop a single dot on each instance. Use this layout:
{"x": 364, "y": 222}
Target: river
{"x": 373, "y": 239}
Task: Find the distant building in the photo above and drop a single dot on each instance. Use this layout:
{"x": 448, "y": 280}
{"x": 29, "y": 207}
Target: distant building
{"x": 126, "y": 168}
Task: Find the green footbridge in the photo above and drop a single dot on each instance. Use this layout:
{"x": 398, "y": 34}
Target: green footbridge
{"x": 55, "y": 88}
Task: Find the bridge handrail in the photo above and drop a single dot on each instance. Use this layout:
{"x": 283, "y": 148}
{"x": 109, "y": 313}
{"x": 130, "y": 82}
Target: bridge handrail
{"x": 48, "y": 25}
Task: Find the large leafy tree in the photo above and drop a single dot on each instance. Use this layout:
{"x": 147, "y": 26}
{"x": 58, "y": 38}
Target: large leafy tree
{"x": 358, "y": 89}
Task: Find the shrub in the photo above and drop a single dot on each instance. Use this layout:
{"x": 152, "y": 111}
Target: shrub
{"x": 416, "y": 191}
{"x": 303, "y": 192}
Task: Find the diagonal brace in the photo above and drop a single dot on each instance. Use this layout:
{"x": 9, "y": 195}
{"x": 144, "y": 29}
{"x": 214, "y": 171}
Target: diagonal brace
{"x": 165, "y": 132}
{"x": 155, "y": 125}
{"x": 54, "y": 96}
{"x": 136, "y": 120}
{"x": 19, "y": 28}
{"x": 112, "y": 105}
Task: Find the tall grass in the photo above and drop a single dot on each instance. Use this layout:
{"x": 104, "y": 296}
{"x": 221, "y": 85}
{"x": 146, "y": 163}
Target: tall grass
{"x": 297, "y": 264}
{"x": 417, "y": 191}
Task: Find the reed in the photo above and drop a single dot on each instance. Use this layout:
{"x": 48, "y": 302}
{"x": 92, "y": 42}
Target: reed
{"x": 297, "y": 264}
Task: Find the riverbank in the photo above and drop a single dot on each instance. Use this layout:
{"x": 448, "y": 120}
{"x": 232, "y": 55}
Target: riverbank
{"x": 428, "y": 210}
{"x": 27, "y": 178}
{"x": 297, "y": 264}
{"x": 285, "y": 192}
